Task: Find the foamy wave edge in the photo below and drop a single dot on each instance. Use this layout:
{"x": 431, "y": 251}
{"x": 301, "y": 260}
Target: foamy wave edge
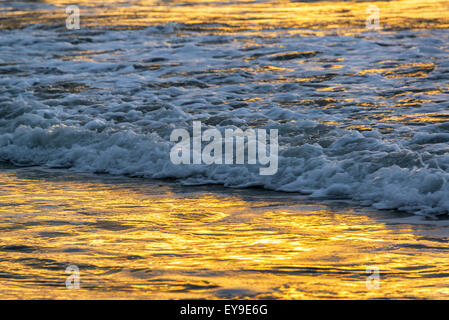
{"x": 355, "y": 165}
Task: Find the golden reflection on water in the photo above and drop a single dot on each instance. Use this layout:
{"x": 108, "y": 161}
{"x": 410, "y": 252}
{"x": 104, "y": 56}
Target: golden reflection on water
{"x": 419, "y": 118}
{"x": 241, "y": 15}
{"x": 137, "y": 239}
{"x": 133, "y": 238}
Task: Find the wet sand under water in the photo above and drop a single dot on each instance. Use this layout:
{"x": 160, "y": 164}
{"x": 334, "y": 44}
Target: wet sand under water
{"x": 137, "y": 238}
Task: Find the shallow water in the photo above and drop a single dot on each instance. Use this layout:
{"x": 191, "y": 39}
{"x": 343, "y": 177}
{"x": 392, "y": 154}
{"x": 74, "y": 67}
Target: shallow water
{"x": 361, "y": 114}
{"x": 363, "y": 122}
{"x": 137, "y": 238}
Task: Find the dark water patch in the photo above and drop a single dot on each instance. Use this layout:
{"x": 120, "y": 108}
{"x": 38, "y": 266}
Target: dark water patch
{"x": 54, "y": 234}
{"x": 309, "y": 271}
{"x": 73, "y": 250}
{"x": 19, "y": 248}
{"x": 110, "y": 225}
{"x": 414, "y": 268}
{"x": 235, "y": 293}
{"x": 189, "y": 287}
{"x": 421, "y": 247}
{"x": 294, "y": 55}
{"x": 11, "y": 227}
{"x": 142, "y": 67}
{"x": 133, "y": 257}
{"x": 182, "y": 84}
{"x": 435, "y": 275}
{"x": 12, "y": 275}
{"x": 48, "y": 264}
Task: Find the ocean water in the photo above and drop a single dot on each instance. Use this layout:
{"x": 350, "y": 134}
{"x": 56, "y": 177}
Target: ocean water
{"x": 362, "y": 116}
{"x": 134, "y": 238}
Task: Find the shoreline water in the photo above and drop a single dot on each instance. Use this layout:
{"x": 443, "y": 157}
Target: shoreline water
{"x": 142, "y": 239}
{"x": 362, "y": 115}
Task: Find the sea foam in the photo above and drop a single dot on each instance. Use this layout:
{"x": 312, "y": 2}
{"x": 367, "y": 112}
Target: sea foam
{"x": 347, "y": 108}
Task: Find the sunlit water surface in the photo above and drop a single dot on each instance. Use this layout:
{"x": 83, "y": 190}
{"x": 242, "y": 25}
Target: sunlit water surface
{"x": 90, "y": 99}
{"x": 134, "y": 238}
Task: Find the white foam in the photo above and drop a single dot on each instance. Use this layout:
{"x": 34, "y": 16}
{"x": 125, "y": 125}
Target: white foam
{"x": 114, "y": 112}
